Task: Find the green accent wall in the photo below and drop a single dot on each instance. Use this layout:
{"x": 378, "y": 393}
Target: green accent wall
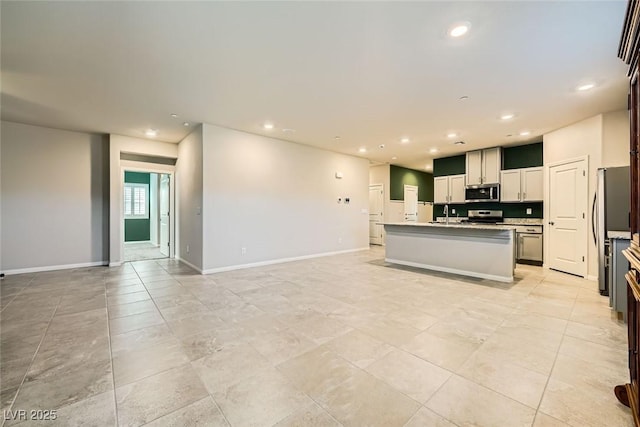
{"x": 137, "y": 230}
{"x": 400, "y": 177}
{"x": 522, "y": 156}
{"x": 456, "y": 165}
{"x": 509, "y": 210}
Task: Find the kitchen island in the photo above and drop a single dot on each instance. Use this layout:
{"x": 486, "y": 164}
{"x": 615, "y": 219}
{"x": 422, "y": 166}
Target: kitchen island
{"x": 483, "y": 251}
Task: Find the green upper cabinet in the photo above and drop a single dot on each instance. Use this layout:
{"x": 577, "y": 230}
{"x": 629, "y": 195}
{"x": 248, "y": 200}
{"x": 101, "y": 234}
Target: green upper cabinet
{"x": 400, "y": 177}
{"x": 522, "y": 156}
{"x": 445, "y": 166}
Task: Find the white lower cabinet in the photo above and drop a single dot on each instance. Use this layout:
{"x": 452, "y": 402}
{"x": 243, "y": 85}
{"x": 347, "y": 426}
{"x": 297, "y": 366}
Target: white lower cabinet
{"x": 522, "y": 185}
{"x": 448, "y": 189}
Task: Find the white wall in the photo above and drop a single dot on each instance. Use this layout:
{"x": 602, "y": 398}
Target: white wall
{"x": 54, "y": 190}
{"x": 125, "y": 144}
{"x": 189, "y": 198}
{"x": 278, "y": 200}
{"x": 580, "y": 139}
{"x": 605, "y": 139}
{"x": 615, "y": 139}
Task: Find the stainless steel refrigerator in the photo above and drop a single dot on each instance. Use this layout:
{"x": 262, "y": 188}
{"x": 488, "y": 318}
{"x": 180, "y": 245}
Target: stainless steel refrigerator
{"x": 610, "y": 212}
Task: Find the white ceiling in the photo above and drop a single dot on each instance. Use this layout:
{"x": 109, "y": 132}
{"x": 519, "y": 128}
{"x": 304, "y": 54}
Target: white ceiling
{"x": 370, "y": 73}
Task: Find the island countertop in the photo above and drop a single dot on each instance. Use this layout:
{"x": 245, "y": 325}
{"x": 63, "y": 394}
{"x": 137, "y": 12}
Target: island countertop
{"x": 452, "y": 225}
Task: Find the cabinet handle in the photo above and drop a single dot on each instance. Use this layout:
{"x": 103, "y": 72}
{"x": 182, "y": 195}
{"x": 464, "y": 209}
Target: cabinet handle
{"x": 524, "y": 196}
{"x": 518, "y": 196}
{"x": 480, "y": 179}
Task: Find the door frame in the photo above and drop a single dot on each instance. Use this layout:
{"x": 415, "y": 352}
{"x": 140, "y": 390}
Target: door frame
{"x": 132, "y": 166}
{"x": 547, "y": 211}
{"x": 381, "y": 186}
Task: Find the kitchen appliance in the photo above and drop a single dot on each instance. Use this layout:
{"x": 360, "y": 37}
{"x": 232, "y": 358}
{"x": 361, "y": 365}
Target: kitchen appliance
{"x": 483, "y": 217}
{"x": 482, "y": 193}
{"x": 529, "y": 244}
{"x": 610, "y": 211}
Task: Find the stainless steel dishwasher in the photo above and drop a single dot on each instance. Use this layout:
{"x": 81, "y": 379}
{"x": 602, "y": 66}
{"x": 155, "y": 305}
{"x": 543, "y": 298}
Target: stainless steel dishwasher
{"x": 529, "y": 244}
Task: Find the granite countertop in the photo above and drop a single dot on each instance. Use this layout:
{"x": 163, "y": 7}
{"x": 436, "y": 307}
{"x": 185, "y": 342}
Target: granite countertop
{"x": 624, "y": 235}
{"x": 506, "y": 221}
{"x": 452, "y": 225}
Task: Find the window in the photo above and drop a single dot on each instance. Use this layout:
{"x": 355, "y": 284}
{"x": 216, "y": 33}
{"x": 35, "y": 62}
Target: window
{"x": 136, "y": 200}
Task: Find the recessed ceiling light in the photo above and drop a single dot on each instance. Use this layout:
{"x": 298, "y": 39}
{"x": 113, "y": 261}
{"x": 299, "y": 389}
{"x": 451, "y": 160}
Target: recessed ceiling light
{"x": 151, "y": 132}
{"x": 459, "y": 143}
{"x": 433, "y": 150}
{"x": 362, "y": 150}
{"x": 185, "y": 124}
{"x": 174, "y": 115}
{"x": 404, "y": 140}
{"x": 525, "y": 133}
{"x": 288, "y": 130}
{"x": 381, "y": 146}
{"x": 459, "y": 29}
{"x": 507, "y": 116}
{"x": 337, "y": 138}
{"x": 428, "y": 167}
{"x": 463, "y": 98}
{"x": 452, "y": 135}
{"x": 394, "y": 158}
{"x": 268, "y": 126}
{"x": 585, "y": 87}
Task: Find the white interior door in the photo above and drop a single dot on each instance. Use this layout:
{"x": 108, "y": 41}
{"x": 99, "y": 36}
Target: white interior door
{"x": 411, "y": 203}
{"x": 567, "y": 230}
{"x": 376, "y": 214}
{"x": 164, "y": 214}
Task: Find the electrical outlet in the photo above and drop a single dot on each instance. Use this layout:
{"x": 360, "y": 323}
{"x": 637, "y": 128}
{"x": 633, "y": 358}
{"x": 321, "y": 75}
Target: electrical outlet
{"x": 529, "y": 211}
{"x": 453, "y": 211}
{"x": 187, "y": 248}
{"x": 243, "y": 251}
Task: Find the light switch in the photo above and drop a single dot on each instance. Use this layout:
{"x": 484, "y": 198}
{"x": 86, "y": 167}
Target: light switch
{"x": 198, "y": 210}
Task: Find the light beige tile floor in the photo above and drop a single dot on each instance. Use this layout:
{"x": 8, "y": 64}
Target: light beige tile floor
{"x": 342, "y": 340}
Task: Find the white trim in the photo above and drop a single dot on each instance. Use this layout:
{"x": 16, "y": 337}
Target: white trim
{"x": 189, "y": 264}
{"x": 56, "y": 267}
{"x": 115, "y": 264}
{"x": 508, "y": 279}
{"x": 279, "y": 261}
{"x": 592, "y": 278}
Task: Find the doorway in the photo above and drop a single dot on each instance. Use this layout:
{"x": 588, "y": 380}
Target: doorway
{"x": 567, "y": 222}
{"x": 411, "y": 203}
{"x": 376, "y": 214}
{"x": 146, "y": 206}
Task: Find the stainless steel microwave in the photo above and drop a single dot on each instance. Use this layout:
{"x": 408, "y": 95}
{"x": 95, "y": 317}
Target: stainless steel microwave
{"x": 482, "y": 193}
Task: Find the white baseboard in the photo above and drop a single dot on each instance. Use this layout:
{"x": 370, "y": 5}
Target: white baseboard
{"x": 199, "y": 270}
{"x": 279, "y": 261}
{"x": 115, "y": 264}
{"x": 56, "y": 267}
{"x": 506, "y": 279}
{"x": 592, "y": 278}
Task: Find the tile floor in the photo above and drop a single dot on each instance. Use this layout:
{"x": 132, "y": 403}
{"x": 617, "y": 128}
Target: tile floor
{"x": 342, "y": 340}
{"x": 140, "y": 251}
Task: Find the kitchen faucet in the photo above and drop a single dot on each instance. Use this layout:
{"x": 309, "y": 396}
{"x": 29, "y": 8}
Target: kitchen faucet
{"x": 446, "y": 213}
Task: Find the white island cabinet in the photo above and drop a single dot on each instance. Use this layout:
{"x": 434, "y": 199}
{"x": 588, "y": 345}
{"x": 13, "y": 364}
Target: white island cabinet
{"x": 482, "y": 251}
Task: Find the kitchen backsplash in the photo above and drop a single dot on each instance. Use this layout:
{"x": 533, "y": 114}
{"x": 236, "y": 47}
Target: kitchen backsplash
{"x": 510, "y": 210}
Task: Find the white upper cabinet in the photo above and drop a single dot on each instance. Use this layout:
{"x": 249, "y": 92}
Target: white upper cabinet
{"x": 491, "y": 164}
{"x": 522, "y": 185}
{"x": 483, "y": 166}
{"x": 474, "y": 167}
{"x": 510, "y": 185}
{"x": 456, "y": 188}
{"x": 448, "y": 189}
{"x": 532, "y": 184}
{"x": 441, "y": 189}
